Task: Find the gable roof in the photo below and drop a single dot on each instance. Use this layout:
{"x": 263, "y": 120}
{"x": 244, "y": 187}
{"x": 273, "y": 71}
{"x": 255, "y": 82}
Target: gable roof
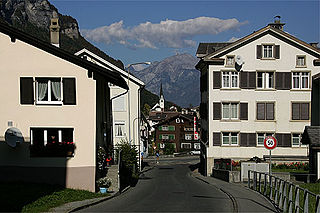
{"x": 311, "y": 135}
{"x": 188, "y": 117}
{"x": 111, "y": 66}
{"x": 111, "y": 75}
{"x": 208, "y": 48}
{"x": 257, "y": 34}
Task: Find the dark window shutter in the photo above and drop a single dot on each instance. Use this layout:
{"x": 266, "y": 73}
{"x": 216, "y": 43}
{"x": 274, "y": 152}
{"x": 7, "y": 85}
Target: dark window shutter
{"x": 287, "y": 80}
{"x": 216, "y": 111}
{"x": 277, "y": 51}
{"x": 280, "y": 80}
{"x": 259, "y": 51}
{"x": 270, "y": 111}
{"x": 304, "y": 111}
{"x": 243, "y": 111}
{"x": 216, "y": 139}
{"x": 69, "y": 91}
{"x": 244, "y": 80}
{"x": 244, "y": 139}
{"x": 252, "y": 139}
{"x": 26, "y": 90}
{"x": 283, "y": 140}
{"x": 252, "y": 80}
{"x": 278, "y": 136}
{"x": 261, "y": 111}
{"x": 216, "y": 80}
{"x": 295, "y": 111}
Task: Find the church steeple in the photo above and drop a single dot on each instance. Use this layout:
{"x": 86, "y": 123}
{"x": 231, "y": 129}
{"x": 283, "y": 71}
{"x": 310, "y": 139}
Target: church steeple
{"x": 161, "y": 101}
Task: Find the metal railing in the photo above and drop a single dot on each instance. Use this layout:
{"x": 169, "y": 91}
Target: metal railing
{"x": 286, "y": 196}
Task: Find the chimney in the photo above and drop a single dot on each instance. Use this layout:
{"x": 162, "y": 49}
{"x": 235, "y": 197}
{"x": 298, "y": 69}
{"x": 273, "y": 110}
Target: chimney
{"x": 54, "y": 32}
{"x": 314, "y": 44}
{"x": 277, "y": 24}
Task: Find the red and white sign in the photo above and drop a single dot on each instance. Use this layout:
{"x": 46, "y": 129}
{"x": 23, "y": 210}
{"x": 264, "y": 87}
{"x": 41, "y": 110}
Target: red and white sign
{"x": 270, "y": 142}
{"x": 196, "y": 135}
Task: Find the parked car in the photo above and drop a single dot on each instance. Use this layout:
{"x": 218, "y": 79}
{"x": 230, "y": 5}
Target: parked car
{"x": 195, "y": 152}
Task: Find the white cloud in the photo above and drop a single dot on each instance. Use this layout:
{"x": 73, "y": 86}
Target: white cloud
{"x": 168, "y": 33}
{"x": 233, "y": 39}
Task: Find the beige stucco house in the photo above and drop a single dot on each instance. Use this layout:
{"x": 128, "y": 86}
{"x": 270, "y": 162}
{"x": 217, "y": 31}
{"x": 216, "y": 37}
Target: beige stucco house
{"x": 55, "y": 99}
{"x": 257, "y": 86}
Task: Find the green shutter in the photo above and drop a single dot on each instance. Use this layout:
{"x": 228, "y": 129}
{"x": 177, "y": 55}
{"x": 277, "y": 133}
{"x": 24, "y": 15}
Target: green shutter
{"x": 160, "y": 137}
{"x": 160, "y": 128}
{"x": 171, "y": 128}
{"x": 171, "y": 137}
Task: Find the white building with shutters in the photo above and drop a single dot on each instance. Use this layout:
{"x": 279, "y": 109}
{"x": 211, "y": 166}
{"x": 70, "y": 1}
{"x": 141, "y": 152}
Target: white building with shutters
{"x": 268, "y": 94}
{"x": 126, "y": 113}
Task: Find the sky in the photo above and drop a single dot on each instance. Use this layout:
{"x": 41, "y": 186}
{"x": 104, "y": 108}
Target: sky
{"x": 149, "y": 30}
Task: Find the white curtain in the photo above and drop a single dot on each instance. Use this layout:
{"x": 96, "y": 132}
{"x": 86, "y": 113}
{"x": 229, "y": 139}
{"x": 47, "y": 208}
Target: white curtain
{"x": 56, "y": 89}
{"x": 42, "y": 90}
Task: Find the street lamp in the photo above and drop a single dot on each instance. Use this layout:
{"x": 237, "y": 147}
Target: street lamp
{"x": 128, "y": 68}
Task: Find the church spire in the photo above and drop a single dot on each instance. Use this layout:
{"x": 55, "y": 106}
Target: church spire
{"x": 161, "y": 92}
{"x": 161, "y": 101}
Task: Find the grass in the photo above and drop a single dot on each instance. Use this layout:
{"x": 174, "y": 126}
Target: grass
{"x": 27, "y": 197}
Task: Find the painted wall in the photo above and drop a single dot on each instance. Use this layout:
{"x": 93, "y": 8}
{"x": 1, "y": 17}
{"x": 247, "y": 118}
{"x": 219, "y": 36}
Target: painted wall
{"x": 282, "y": 99}
{"x": 23, "y": 60}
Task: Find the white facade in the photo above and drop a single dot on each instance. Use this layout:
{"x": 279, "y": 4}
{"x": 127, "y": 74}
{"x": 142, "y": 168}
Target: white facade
{"x": 265, "y": 93}
{"x": 125, "y": 117}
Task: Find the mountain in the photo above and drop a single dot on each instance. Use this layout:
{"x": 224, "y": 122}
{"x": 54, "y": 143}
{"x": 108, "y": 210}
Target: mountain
{"x": 33, "y": 17}
{"x": 180, "y": 80}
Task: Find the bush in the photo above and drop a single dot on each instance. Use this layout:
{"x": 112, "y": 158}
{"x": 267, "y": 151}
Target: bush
{"x": 104, "y": 182}
{"x": 168, "y": 149}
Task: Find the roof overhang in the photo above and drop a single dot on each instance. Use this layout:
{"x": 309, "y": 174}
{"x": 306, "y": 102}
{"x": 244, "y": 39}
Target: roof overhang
{"x": 109, "y": 75}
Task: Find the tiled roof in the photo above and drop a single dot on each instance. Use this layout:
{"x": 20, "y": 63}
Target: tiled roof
{"x": 208, "y": 48}
{"x": 311, "y": 135}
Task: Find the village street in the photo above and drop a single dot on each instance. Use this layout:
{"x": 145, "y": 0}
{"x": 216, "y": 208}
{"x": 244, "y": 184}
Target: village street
{"x": 171, "y": 186}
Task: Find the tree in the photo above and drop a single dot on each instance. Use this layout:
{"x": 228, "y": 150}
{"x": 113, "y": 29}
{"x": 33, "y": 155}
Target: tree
{"x": 146, "y": 109}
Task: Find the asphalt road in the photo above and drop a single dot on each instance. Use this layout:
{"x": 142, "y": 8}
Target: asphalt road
{"x": 170, "y": 187}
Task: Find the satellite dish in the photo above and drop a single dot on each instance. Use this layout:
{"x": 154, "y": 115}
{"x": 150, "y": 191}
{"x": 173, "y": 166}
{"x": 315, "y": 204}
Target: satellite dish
{"x": 13, "y": 136}
{"x": 239, "y": 62}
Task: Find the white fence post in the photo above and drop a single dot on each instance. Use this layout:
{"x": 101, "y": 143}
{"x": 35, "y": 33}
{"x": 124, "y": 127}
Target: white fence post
{"x": 306, "y": 201}
{"x": 297, "y": 201}
{"x": 290, "y": 198}
{"x": 318, "y": 204}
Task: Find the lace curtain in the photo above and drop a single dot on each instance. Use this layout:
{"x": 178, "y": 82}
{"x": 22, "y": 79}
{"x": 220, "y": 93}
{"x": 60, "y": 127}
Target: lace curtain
{"x": 42, "y": 90}
{"x": 56, "y": 89}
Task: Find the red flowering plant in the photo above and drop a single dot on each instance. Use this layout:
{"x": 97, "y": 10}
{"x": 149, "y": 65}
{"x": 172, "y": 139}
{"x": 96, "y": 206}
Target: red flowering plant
{"x": 61, "y": 149}
{"x": 293, "y": 165}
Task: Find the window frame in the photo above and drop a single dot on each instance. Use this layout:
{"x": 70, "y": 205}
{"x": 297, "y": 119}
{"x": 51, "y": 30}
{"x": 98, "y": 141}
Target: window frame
{"x": 230, "y": 74}
{"x": 124, "y": 129}
{"x": 232, "y": 57}
{"x": 305, "y": 61}
{"x": 265, "y": 80}
{"x": 300, "y": 78}
{"x": 190, "y": 135}
{"x": 301, "y": 102}
{"x": 265, "y": 134}
{"x": 229, "y": 138}
{"x": 189, "y": 144}
{"x": 265, "y": 111}
{"x": 272, "y": 51}
{"x": 229, "y": 118}
{"x": 300, "y": 145}
{"x": 49, "y": 91}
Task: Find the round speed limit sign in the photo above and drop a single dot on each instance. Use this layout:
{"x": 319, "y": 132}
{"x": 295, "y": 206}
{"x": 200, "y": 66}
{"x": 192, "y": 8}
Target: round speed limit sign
{"x": 270, "y": 142}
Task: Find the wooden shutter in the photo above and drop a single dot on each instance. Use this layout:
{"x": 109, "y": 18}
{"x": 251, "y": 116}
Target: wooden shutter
{"x": 261, "y": 111}
{"x": 252, "y": 80}
{"x": 69, "y": 91}
{"x": 277, "y": 51}
{"x": 287, "y": 80}
{"x": 216, "y": 139}
{"x": 160, "y": 128}
{"x": 283, "y": 140}
{"x": 252, "y": 139}
{"x": 216, "y": 111}
{"x": 304, "y": 111}
{"x": 243, "y": 111}
{"x": 244, "y": 139}
{"x": 259, "y": 51}
{"x": 244, "y": 80}
{"x": 26, "y": 90}
{"x": 283, "y": 80}
{"x": 270, "y": 111}
{"x": 216, "y": 80}
{"x": 160, "y": 137}
{"x": 295, "y": 110}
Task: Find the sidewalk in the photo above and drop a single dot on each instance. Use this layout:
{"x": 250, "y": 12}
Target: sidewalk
{"x": 244, "y": 199}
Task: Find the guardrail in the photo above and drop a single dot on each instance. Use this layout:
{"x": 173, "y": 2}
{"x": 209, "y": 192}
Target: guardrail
{"x": 280, "y": 192}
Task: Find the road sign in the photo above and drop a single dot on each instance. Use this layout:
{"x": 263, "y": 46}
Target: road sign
{"x": 270, "y": 142}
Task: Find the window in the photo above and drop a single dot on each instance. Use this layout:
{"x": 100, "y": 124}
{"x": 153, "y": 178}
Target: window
{"x": 119, "y": 129}
{"x": 185, "y": 145}
{"x": 48, "y": 91}
{"x": 230, "y": 80}
{"x": 230, "y": 110}
{"x": 178, "y": 120}
{"x": 267, "y": 51}
{"x": 265, "y": 80}
{"x": 230, "y": 138}
{"x": 51, "y": 142}
{"x": 167, "y": 137}
{"x": 265, "y": 111}
{"x": 301, "y": 61}
{"x": 165, "y": 128}
{"x": 261, "y": 137}
{"x": 300, "y": 111}
{"x": 300, "y": 80}
{"x": 296, "y": 140}
{"x": 230, "y": 61}
{"x": 188, "y": 136}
